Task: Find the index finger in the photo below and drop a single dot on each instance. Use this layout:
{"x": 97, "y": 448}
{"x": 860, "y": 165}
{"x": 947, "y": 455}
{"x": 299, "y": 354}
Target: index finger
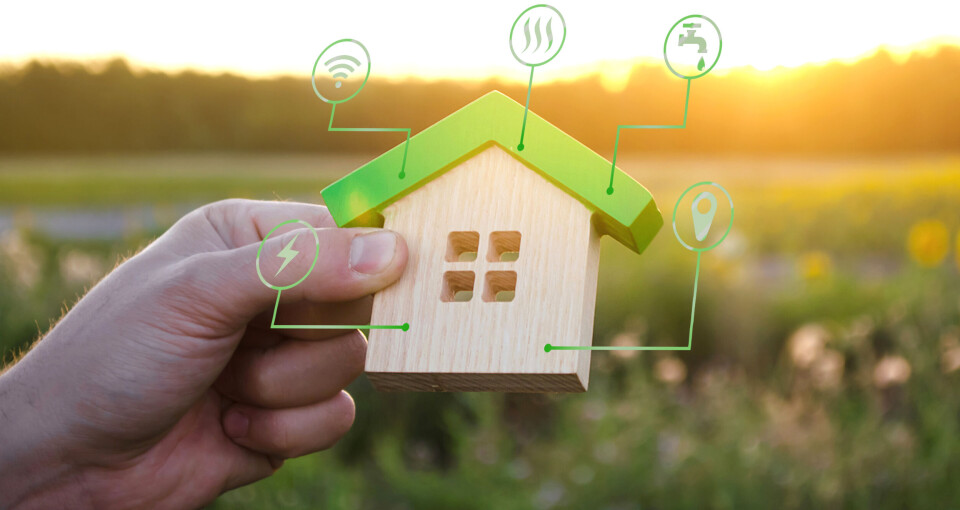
{"x": 241, "y": 222}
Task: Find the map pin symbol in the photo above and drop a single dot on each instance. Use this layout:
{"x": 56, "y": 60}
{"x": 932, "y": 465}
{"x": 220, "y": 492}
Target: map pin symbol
{"x": 702, "y": 221}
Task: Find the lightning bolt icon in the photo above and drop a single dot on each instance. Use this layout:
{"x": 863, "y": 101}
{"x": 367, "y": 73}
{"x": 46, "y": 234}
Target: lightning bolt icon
{"x": 287, "y": 254}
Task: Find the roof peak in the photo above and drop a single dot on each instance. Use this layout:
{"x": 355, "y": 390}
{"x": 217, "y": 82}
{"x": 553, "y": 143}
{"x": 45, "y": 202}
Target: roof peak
{"x": 629, "y": 215}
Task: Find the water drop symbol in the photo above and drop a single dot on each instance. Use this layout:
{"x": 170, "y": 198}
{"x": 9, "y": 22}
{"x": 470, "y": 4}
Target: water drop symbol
{"x": 701, "y": 64}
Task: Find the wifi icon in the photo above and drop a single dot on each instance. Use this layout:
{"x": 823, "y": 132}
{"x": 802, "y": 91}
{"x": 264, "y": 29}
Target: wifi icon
{"x": 338, "y": 64}
{"x": 340, "y": 67}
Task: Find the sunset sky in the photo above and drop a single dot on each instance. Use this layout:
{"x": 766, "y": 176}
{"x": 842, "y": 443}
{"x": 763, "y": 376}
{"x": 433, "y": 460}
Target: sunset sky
{"x": 455, "y": 39}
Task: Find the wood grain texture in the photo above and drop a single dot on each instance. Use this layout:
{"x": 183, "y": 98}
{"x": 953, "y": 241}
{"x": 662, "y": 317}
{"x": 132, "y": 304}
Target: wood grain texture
{"x": 484, "y": 344}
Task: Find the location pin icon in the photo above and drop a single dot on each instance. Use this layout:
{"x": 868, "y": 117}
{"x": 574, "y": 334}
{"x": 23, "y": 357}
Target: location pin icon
{"x": 702, "y": 221}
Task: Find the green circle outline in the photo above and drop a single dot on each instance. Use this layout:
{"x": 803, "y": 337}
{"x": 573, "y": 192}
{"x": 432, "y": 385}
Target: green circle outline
{"x": 316, "y": 255}
{"x": 677, "y": 206}
{"x": 313, "y": 74}
{"x": 667, "y": 39}
{"x": 514, "y": 27}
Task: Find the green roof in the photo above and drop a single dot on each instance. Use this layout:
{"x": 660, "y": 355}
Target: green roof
{"x": 629, "y": 215}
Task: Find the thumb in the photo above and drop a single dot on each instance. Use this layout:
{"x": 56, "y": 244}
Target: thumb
{"x": 322, "y": 265}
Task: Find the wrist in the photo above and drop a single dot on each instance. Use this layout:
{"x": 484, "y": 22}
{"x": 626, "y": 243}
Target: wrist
{"x": 33, "y": 472}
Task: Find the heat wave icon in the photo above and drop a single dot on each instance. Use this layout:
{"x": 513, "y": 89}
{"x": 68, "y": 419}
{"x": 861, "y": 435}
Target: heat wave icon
{"x": 537, "y": 35}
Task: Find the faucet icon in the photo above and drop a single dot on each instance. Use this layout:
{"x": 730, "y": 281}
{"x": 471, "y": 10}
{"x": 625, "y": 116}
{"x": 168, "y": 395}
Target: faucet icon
{"x": 691, "y": 37}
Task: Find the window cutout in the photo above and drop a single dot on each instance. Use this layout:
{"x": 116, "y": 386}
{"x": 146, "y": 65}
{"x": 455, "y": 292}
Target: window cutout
{"x": 504, "y": 246}
{"x": 501, "y": 286}
{"x": 462, "y": 246}
{"x": 457, "y": 286}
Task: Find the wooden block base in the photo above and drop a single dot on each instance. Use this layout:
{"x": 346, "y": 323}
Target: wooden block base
{"x": 508, "y": 383}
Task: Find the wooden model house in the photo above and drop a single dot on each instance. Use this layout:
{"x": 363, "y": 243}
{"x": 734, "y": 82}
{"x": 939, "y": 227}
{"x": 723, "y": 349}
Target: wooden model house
{"x": 503, "y": 251}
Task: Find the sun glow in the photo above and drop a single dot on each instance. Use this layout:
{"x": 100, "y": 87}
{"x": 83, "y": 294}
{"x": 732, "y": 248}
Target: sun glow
{"x": 434, "y": 39}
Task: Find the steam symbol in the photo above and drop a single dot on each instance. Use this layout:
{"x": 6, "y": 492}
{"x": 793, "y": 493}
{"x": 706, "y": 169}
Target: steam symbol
{"x": 537, "y": 35}
{"x": 548, "y": 32}
{"x": 339, "y": 67}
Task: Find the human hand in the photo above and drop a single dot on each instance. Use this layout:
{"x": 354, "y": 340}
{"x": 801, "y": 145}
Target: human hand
{"x": 165, "y": 386}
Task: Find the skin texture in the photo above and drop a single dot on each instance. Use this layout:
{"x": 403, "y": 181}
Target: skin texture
{"x": 164, "y": 386}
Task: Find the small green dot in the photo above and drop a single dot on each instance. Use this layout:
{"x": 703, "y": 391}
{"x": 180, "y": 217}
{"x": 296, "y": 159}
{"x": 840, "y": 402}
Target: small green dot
{"x": 610, "y": 190}
{"x": 547, "y": 348}
{"x": 405, "y": 327}
{"x": 520, "y": 147}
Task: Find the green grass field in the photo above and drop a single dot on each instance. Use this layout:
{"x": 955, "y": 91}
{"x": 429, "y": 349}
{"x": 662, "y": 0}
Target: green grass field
{"x": 825, "y": 370}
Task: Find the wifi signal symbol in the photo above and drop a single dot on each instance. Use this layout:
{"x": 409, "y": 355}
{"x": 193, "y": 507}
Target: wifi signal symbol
{"x": 340, "y": 67}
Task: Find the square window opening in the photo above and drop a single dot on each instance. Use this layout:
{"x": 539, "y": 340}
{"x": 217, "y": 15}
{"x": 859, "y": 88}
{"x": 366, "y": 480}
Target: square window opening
{"x": 501, "y": 286}
{"x": 504, "y": 246}
{"x": 462, "y": 246}
{"x": 457, "y": 286}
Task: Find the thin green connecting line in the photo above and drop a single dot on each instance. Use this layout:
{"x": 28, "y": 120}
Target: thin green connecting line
{"x": 523, "y": 127}
{"x": 693, "y": 309}
{"x": 273, "y": 323}
{"x": 403, "y": 166}
{"x": 616, "y": 145}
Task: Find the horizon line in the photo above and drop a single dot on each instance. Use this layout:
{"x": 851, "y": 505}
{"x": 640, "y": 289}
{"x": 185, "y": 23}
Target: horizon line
{"x": 900, "y": 54}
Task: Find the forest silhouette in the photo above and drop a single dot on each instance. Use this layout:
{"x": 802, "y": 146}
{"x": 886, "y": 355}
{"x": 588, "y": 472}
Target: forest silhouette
{"x": 877, "y": 105}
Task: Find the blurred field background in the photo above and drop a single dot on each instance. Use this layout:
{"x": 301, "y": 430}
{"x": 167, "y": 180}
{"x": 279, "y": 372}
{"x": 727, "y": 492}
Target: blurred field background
{"x": 825, "y": 371}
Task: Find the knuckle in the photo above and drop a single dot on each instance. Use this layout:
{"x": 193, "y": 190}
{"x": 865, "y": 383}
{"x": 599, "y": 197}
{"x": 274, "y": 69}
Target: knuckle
{"x": 218, "y": 215}
{"x": 258, "y": 383}
{"x": 221, "y": 206}
{"x": 212, "y": 211}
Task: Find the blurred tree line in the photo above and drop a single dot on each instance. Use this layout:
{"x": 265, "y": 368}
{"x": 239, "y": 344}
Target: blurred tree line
{"x": 877, "y": 105}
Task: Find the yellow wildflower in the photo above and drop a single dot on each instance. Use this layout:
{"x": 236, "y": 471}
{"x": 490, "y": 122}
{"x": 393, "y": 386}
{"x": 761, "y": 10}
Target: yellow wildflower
{"x": 957, "y": 250}
{"x": 928, "y": 242}
{"x": 815, "y": 265}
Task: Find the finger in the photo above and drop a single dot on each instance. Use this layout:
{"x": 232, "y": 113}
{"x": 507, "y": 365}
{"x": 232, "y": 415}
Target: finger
{"x": 292, "y": 432}
{"x": 348, "y": 313}
{"x": 293, "y": 373}
{"x": 344, "y": 265}
{"x": 231, "y": 223}
{"x": 246, "y": 467}
{"x": 240, "y": 222}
